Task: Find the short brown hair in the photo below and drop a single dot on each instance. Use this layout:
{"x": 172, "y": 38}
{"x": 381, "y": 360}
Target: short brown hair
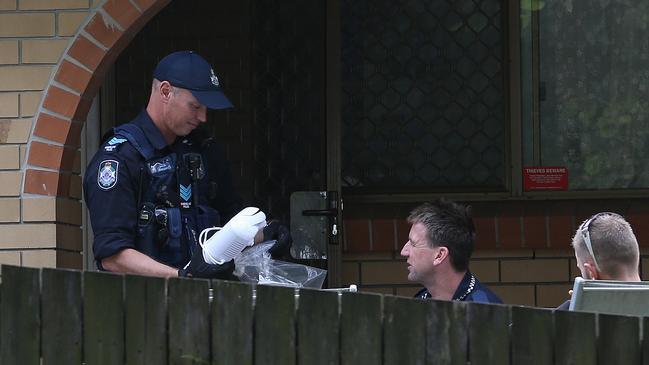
{"x": 450, "y": 225}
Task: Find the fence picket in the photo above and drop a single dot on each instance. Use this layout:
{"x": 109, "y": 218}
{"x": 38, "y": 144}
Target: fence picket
{"x": 317, "y": 320}
{"x": 488, "y": 333}
{"x": 532, "y": 336}
{"x": 574, "y": 338}
{"x": 145, "y": 320}
{"x": 189, "y": 327}
{"x": 274, "y": 339}
{"x": 446, "y": 332}
{"x": 401, "y": 316}
{"x": 103, "y": 318}
{"x": 618, "y": 339}
{"x": 61, "y": 289}
{"x": 232, "y": 323}
{"x": 645, "y": 341}
{"x": 360, "y": 329}
{"x": 20, "y": 316}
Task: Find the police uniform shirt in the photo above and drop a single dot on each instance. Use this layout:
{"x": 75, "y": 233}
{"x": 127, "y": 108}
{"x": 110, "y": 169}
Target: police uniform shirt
{"x": 111, "y": 186}
{"x": 469, "y": 290}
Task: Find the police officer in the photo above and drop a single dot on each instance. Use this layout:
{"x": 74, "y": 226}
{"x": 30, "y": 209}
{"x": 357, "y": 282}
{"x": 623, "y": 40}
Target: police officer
{"x": 153, "y": 186}
{"x": 438, "y": 250}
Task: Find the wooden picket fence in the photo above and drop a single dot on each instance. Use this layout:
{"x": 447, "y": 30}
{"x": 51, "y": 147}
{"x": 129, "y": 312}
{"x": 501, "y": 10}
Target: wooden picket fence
{"x": 71, "y": 317}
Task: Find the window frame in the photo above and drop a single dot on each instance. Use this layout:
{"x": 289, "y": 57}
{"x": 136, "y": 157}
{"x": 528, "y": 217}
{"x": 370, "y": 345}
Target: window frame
{"x": 513, "y": 187}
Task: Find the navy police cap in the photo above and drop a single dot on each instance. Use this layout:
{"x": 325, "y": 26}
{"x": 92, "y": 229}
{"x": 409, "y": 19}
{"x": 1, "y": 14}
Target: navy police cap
{"x": 188, "y": 70}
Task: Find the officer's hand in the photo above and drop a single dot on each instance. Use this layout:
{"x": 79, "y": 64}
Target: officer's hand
{"x": 200, "y": 269}
{"x": 279, "y": 232}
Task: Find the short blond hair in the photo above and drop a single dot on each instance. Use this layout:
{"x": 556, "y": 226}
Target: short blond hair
{"x": 613, "y": 243}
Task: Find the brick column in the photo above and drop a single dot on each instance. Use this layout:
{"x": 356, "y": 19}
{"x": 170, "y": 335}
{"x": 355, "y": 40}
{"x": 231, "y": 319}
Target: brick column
{"x": 53, "y": 58}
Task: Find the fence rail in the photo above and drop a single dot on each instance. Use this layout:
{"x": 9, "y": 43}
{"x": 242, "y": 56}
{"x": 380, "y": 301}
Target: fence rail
{"x": 71, "y": 317}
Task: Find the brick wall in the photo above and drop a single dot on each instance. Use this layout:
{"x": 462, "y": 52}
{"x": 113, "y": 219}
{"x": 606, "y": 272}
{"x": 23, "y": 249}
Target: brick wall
{"x": 522, "y": 248}
{"x": 35, "y": 230}
{"x": 49, "y": 72}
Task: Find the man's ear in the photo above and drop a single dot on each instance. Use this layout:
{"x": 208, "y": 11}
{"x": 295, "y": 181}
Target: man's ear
{"x": 441, "y": 253}
{"x": 591, "y": 271}
{"x": 165, "y": 91}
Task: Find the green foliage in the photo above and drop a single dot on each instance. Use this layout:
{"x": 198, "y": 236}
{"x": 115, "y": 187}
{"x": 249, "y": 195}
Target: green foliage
{"x": 527, "y": 7}
{"x": 596, "y": 118}
{"x": 532, "y": 5}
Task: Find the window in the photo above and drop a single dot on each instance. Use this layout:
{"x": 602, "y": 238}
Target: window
{"x": 585, "y": 81}
{"x": 423, "y": 99}
{"x": 425, "y": 106}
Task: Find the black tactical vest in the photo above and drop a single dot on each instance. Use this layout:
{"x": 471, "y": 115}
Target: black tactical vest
{"x": 172, "y": 199}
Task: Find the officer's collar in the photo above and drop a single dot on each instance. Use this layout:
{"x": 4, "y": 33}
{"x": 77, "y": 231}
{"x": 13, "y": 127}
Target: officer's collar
{"x": 151, "y": 132}
{"x": 466, "y": 286}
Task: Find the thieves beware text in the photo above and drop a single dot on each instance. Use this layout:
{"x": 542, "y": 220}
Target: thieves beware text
{"x": 545, "y": 178}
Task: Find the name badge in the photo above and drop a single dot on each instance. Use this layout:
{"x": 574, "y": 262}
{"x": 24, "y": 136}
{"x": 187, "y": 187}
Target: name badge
{"x": 161, "y": 165}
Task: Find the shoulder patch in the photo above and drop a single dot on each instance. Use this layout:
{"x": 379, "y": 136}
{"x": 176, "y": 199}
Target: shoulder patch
{"x": 114, "y": 143}
{"x": 107, "y": 174}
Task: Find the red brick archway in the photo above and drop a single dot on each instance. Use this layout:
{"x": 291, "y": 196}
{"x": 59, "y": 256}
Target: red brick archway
{"x": 79, "y": 74}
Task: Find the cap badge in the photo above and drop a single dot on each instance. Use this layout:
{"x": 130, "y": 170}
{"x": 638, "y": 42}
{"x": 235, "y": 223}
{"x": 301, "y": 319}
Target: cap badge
{"x": 215, "y": 80}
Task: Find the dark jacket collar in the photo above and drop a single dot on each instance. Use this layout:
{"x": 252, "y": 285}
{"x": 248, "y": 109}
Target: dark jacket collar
{"x": 465, "y": 288}
{"x": 153, "y": 134}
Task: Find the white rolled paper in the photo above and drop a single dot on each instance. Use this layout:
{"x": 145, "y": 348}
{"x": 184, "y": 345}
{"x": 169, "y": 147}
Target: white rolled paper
{"x": 237, "y": 234}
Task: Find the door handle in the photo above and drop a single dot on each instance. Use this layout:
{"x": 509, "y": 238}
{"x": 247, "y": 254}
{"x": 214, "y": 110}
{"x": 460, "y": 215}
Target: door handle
{"x": 332, "y": 212}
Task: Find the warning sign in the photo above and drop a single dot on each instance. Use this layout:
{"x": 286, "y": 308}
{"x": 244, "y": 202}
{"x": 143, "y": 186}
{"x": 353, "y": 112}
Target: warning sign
{"x": 545, "y": 178}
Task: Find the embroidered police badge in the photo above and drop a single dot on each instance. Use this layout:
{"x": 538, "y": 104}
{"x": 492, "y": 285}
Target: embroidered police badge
{"x": 186, "y": 196}
{"x": 214, "y": 79}
{"x": 185, "y": 192}
{"x": 107, "y": 175}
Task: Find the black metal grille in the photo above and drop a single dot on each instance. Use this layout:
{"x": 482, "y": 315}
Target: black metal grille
{"x": 288, "y": 53}
{"x": 423, "y": 98}
{"x": 269, "y": 56}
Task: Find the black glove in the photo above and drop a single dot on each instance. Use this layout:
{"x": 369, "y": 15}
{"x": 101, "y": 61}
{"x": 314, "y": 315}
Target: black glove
{"x": 198, "y": 268}
{"x": 279, "y": 232}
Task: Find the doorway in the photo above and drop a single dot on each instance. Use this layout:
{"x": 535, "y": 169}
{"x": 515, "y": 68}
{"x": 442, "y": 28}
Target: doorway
{"x": 271, "y": 60}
